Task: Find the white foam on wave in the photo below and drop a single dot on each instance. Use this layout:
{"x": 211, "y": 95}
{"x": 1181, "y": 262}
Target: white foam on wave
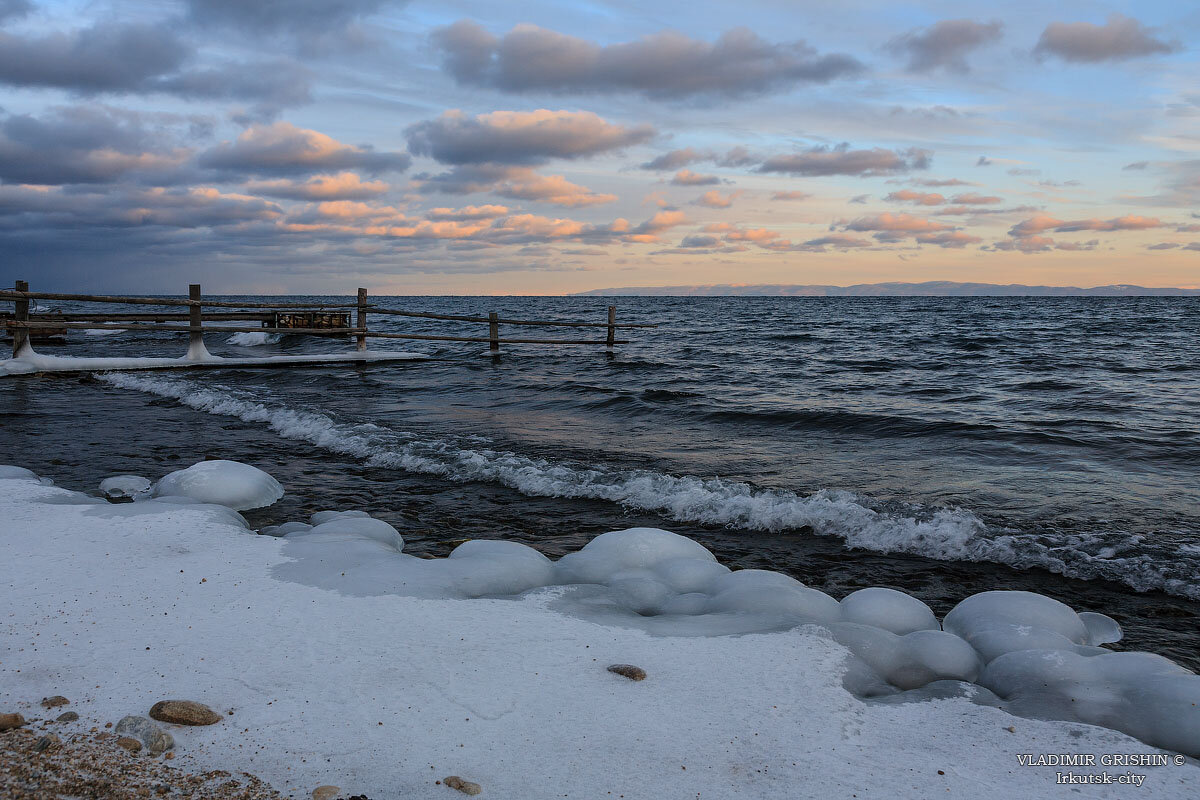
{"x": 937, "y": 533}
{"x": 252, "y": 339}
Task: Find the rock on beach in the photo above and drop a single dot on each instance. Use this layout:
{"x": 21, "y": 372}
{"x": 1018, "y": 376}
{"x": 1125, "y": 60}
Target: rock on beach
{"x": 184, "y": 712}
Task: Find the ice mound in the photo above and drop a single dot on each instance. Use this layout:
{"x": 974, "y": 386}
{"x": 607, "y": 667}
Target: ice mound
{"x": 227, "y": 483}
{"x": 1000, "y": 622}
{"x": 888, "y": 609}
{"x": 125, "y": 487}
{"x": 1023, "y": 652}
{"x": 1141, "y": 694}
{"x": 9, "y": 472}
{"x": 906, "y": 662}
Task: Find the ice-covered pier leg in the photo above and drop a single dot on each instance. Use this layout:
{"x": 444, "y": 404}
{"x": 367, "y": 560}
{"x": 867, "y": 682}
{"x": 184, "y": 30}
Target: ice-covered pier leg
{"x": 196, "y": 349}
{"x": 20, "y": 335}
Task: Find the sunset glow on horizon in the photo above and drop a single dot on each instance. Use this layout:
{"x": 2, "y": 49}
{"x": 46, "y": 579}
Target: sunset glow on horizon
{"x": 546, "y": 148}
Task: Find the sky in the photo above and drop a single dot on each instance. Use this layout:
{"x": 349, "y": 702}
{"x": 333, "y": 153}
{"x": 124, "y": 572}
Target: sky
{"x": 467, "y": 147}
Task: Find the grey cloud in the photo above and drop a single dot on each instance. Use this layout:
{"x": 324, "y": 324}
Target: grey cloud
{"x": 698, "y": 240}
{"x": 519, "y": 137}
{"x": 142, "y": 59}
{"x": 674, "y": 159}
{"x": 841, "y": 160}
{"x": 105, "y": 57}
{"x": 270, "y": 16}
{"x": 1163, "y": 246}
{"x": 685, "y": 177}
{"x": 983, "y": 161}
{"x": 1137, "y": 165}
{"x": 860, "y": 199}
{"x": 93, "y": 144}
{"x": 513, "y": 182}
{"x": 667, "y": 65}
{"x": 1020, "y": 171}
{"x": 1119, "y": 38}
{"x": 14, "y": 9}
{"x": 944, "y": 45}
{"x": 284, "y": 149}
{"x": 22, "y": 206}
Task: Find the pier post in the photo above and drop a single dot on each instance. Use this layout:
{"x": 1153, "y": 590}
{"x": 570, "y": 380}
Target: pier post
{"x": 612, "y": 330}
{"x": 20, "y": 335}
{"x": 361, "y": 322}
{"x": 493, "y": 331}
{"x": 195, "y": 320}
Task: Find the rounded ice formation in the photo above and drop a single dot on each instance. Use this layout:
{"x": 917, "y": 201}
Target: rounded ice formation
{"x": 773, "y": 593}
{"x": 1002, "y": 622}
{"x": 1141, "y": 694}
{"x": 910, "y": 661}
{"x": 226, "y": 483}
{"x": 485, "y": 567}
{"x": 612, "y": 552}
{"x": 354, "y": 525}
{"x": 888, "y": 609}
{"x": 9, "y": 472}
{"x": 125, "y": 487}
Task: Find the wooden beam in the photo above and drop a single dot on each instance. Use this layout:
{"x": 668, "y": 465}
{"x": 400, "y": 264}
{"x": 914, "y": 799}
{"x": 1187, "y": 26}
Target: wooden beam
{"x": 493, "y": 331}
{"x": 612, "y": 326}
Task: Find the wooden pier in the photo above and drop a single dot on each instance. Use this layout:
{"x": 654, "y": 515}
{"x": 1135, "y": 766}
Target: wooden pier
{"x": 330, "y": 319}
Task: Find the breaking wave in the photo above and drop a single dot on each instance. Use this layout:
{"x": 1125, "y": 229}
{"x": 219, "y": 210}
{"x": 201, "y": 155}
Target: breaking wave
{"x": 937, "y": 533}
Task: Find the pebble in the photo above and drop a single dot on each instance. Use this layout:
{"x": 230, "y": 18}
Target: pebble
{"x": 153, "y": 737}
{"x": 10, "y": 721}
{"x": 47, "y": 741}
{"x": 629, "y": 671}
{"x": 130, "y": 744}
{"x": 326, "y": 792}
{"x": 69, "y": 716}
{"x": 184, "y": 712}
{"x": 55, "y": 702}
{"x": 466, "y": 787}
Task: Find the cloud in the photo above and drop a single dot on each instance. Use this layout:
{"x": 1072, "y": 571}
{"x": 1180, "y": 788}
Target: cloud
{"x": 466, "y": 213}
{"x": 1041, "y": 223}
{"x": 983, "y": 161}
{"x": 841, "y": 160}
{"x": 777, "y": 196}
{"x": 950, "y": 239}
{"x": 1118, "y": 39}
{"x": 714, "y": 199}
{"x": 944, "y": 45}
{"x": 895, "y": 223}
{"x": 939, "y": 182}
{"x": 104, "y": 57}
{"x": 271, "y": 16}
{"x": 1163, "y": 246}
{"x": 675, "y": 159}
{"x": 520, "y": 137}
{"x": 90, "y": 144}
{"x": 14, "y": 9}
{"x": 1019, "y": 171}
{"x": 1137, "y": 165}
{"x": 973, "y": 199}
{"x": 699, "y": 240}
{"x": 142, "y": 59}
{"x": 859, "y": 199}
{"x": 518, "y": 183}
{"x": 837, "y": 241}
{"x": 284, "y": 149}
{"x": 667, "y": 65}
{"x": 685, "y": 177}
{"x": 342, "y": 186}
{"x": 916, "y": 198}
{"x": 195, "y": 207}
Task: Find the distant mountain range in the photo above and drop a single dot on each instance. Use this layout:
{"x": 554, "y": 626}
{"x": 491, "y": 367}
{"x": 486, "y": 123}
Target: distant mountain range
{"x": 927, "y": 289}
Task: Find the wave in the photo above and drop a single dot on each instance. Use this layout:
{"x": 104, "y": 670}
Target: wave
{"x": 252, "y": 339}
{"x": 936, "y": 533}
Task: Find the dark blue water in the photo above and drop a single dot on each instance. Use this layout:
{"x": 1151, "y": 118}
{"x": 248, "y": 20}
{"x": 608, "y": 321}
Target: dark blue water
{"x": 939, "y": 445}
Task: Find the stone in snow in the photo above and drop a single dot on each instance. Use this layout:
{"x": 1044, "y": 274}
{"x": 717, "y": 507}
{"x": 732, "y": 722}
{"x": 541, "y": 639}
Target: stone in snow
{"x": 466, "y": 787}
{"x": 326, "y": 792}
{"x": 184, "y": 712}
{"x": 155, "y": 739}
{"x": 55, "y": 702}
{"x": 629, "y": 671}
{"x": 10, "y": 721}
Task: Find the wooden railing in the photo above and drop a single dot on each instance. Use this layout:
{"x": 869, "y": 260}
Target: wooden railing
{"x": 22, "y": 323}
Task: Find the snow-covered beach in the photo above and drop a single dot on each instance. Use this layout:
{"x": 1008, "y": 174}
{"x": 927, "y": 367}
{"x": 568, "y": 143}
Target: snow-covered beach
{"x": 345, "y": 662}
